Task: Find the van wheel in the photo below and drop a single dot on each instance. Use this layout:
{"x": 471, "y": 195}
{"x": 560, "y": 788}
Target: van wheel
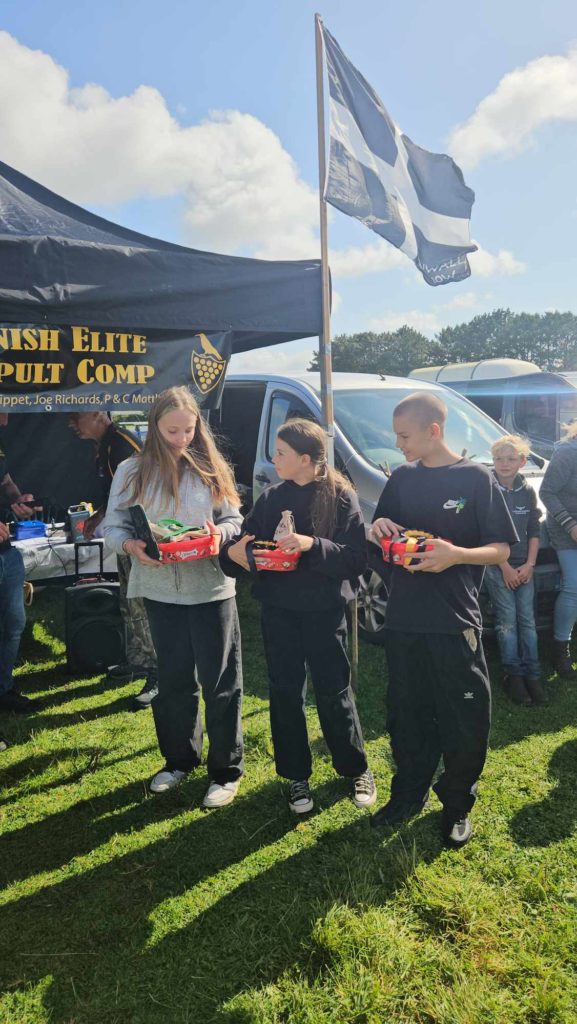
{"x": 372, "y": 604}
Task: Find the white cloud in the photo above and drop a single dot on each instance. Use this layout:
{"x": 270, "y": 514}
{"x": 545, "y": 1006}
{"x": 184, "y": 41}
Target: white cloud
{"x": 241, "y": 188}
{"x": 500, "y": 264}
{"x": 505, "y": 121}
{"x": 367, "y": 259}
{"x": 427, "y": 322}
{"x": 293, "y": 357}
{"x": 382, "y": 257}
{"x": 463, "y": 300}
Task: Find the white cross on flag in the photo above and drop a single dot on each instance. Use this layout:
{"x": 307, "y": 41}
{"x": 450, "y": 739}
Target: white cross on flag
{"x": 415, "y": 199}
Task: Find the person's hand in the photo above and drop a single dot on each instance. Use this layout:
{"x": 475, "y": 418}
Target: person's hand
{"x": 385, "y": 528}
{"x": 4, "y": 533}
{"x": 135, "y": 548}
{"x": 573, "y": 533}
{"x": 525, "y": 572}
{"x": 91, "y": 523}
{"x": 441, "y": 556}
{"x": 237, "y": 552}
{"x": 510, "y": 576}
{"x": 293, "y": 542}
{"x": 20, "y": 510}
{"x": 215, "y": 532}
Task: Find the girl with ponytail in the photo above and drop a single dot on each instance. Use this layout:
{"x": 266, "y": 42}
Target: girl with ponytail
{"x": 303, "y": 612}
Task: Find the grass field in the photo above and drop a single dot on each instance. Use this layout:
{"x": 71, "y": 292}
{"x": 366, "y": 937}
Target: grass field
{"x": 122, "y": 908}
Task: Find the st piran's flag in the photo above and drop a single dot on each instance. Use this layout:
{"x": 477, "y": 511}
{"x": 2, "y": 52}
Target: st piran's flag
{"x": 415, "y": 199}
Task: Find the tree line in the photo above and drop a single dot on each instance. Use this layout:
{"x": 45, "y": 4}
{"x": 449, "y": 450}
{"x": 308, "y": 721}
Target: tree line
{"x": 547, "y": 339}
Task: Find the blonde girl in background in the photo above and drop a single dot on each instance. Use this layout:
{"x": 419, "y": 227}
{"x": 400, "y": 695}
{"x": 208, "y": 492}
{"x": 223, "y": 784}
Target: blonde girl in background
{"x": 511, "y": 585}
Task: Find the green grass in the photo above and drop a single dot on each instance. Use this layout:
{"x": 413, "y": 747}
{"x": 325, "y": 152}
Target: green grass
{"x": 122, "y": 908}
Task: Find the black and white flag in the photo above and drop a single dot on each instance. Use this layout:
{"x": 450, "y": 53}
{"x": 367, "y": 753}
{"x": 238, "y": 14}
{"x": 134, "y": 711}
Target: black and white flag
{"x": 415, "y": 199}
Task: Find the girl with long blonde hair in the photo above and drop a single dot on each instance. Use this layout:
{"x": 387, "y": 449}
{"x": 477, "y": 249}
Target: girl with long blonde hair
{"x": 303, "y": 612}
{"x": 191, "y": 606}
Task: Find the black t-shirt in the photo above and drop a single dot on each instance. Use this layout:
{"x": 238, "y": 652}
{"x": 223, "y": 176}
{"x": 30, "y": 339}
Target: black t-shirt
{"x": 461, "y": 503}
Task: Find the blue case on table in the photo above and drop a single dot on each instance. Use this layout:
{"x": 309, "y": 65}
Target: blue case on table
{"x": 29, "y": 528}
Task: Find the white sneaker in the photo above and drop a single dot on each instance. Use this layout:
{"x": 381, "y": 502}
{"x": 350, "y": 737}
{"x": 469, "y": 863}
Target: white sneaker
{"x": 364, "y": 790}
{"x": 166, "y": 779}
{"x": 218, "y": 796}
{"x": 300, "y": 797}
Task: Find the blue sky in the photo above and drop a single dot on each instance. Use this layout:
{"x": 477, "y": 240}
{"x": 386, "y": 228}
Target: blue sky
{"x": 166, "y": 160}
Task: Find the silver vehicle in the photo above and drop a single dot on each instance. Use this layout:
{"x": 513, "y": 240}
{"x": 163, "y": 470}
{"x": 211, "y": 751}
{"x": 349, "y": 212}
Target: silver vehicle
{"x": 255, "y": 405}
{"x": 518, "y": 395}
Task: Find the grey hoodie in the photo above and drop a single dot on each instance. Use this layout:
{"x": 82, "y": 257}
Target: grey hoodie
{"x": 196, "y": 582}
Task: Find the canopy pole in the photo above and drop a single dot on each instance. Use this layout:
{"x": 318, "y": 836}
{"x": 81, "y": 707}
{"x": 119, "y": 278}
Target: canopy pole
{"x": 325, "y": 348}
{"x": 325, "y": 351}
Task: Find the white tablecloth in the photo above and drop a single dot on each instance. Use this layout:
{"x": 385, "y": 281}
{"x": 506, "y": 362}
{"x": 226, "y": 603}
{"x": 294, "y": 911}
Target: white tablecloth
{"x": 47, "y": 558}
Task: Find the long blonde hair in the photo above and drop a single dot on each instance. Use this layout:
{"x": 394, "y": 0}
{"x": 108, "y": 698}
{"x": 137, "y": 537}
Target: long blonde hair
{"x": 157, "y": 463}
{"x": 308, "y": 438}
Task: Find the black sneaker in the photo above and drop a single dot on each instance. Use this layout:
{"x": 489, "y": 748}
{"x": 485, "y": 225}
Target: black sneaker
{"x": 18, "y": 703}
{"x": 125, "y": 673}
{"x": 536, "y": 691}
{"x": 364, "y": 790}
{"x": 456, "y": 828}
{"x": 394, "y": 814}
{"x": 300, "y": 797}
{"x": 149, "y": 691}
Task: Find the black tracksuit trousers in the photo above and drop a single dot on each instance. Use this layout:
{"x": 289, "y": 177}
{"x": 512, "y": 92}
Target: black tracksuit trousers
{"x": 438, "y": 705}
{"x": 198, "y": 647}
{"x": 293, "y": 639}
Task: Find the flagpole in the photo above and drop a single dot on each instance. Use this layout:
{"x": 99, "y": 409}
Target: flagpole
{"x": 325, "y": 348}
{"x": 325, "y": 352}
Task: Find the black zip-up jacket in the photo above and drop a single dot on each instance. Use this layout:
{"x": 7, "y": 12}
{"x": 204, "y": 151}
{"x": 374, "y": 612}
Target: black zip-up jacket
{"x": 113, "y": 448}
{"x": 521, "y": 501}
{"x": 327, "y": 575}
{"x": 4, "y": 545}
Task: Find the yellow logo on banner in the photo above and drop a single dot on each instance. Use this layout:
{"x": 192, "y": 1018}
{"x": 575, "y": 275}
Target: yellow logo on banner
{"x": 207, "y": 366}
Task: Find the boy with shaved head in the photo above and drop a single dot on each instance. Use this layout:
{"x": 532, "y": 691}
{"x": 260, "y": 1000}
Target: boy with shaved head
{"x": 438, "y": 700}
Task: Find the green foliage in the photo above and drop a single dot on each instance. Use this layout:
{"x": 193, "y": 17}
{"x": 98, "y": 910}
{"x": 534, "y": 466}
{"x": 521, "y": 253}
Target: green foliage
{"x": 547, "y": 339}
{"x": 394, "y": 353}
{"x": 123, "y": 908}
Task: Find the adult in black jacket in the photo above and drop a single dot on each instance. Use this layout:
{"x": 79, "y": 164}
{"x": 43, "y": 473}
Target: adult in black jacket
{"x": 303, "y": 612}
{"x": 559, "y": 496}
{"x": 12, "y": 614}
{"x": 113, "y": 446}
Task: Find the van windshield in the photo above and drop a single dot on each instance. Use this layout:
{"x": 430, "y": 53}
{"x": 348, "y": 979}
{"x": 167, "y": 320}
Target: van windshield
{"x": 366, "y": 417}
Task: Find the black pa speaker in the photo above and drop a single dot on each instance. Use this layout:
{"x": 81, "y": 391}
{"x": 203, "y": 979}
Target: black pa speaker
{"x": 94, "y": 628}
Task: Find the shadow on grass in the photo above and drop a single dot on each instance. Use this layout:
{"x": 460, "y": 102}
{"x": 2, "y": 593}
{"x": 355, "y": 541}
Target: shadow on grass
{"x": 65, "y": 689}
{"x": 131, "y": 942}
{"x": 555, "y": 817}
{"x": 88, "y": 759}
